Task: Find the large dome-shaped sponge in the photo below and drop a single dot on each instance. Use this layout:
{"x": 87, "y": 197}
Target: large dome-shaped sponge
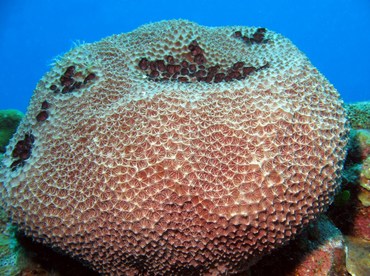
{"x": 176, "y": 149}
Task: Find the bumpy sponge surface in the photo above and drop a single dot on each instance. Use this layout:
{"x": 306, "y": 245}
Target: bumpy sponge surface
{"x": 176, "y": 149}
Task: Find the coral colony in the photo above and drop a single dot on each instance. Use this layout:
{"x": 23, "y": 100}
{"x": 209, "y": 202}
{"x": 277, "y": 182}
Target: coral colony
{"x": 175, "y": 149}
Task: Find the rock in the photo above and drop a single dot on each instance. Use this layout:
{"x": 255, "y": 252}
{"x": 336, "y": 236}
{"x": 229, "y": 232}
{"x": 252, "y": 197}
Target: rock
{"x": 358, "y": 256}
{"x": 318, "y": 250}
{"x": 13, "y": 257}
{"x": 9, "y": 121}
{"x": 359, "y": 115}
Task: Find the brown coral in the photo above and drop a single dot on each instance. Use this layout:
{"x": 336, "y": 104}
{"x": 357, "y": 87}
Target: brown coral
{"x": 133, "y": 173}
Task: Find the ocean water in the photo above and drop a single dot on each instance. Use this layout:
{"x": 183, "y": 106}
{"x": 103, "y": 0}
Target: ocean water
{"x": 334, "y": 34}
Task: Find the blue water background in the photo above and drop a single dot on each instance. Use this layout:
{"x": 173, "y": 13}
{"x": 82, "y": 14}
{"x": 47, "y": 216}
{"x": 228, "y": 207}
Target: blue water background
{"x": 334, "y": 34}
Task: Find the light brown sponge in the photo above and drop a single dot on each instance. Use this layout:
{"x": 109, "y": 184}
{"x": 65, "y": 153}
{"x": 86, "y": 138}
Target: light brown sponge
{"x": 134, "y": 165}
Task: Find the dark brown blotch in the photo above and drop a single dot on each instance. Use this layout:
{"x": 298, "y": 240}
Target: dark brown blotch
{"x": 45, "y": 105}
{"x": 143, "y": 64}
{"x": 238, "y": 34}
{"x": 89, "y": 77}
{"x": 247, "y": 70}
{"x": 42, "y": 116}
{"x": 70, "y": 71}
